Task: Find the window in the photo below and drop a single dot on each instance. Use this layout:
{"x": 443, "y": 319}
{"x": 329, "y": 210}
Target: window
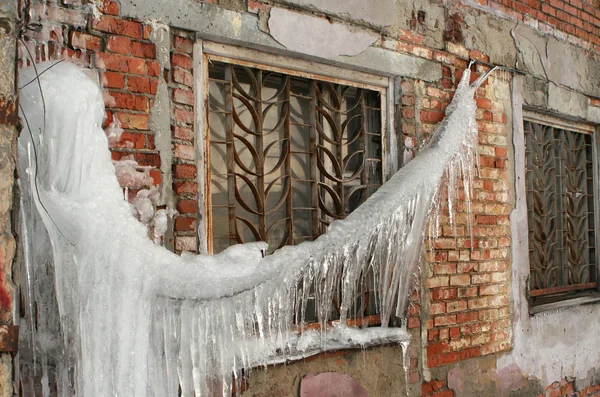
{"x": 289, "y": 151}
{"x": 288, "y": 154}
{"x": 560, "y": 208}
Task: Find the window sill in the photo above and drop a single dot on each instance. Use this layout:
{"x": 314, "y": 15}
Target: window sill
{"x": 560, "y": 305}
{"x": 314, "y": 342}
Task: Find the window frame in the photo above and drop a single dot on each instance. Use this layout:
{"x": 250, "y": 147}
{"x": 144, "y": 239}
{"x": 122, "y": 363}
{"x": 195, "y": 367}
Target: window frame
{"x": 562, "y": 296}
{"x": 206, "y": 51}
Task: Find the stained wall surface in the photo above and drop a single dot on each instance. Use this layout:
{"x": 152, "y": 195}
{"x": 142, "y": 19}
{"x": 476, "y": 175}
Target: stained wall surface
{"x": 472, "y": 331}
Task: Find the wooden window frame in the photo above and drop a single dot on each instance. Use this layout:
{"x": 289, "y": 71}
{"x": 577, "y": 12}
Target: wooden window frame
{"x": 551, "y": 296}
{"x": 205, "y": 52}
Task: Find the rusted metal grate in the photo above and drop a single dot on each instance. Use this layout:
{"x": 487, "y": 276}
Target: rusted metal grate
{"x": 560, "y": 209}
{"x": 287, "y": 154}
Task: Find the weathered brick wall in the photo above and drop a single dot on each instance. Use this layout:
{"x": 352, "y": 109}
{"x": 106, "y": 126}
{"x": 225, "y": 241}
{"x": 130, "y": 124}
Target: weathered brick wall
{"x": 462, "y": 308}
{"x": 185, "y": 169}
{"x": 122, "y": 50}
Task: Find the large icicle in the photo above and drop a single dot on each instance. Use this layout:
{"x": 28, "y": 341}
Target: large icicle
{"x": 138, "y": 320}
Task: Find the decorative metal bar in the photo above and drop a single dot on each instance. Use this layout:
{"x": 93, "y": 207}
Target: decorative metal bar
{"x": 260, "y": 125}
{"x": 231, "y": 187}
{"x": 560, "y": 209}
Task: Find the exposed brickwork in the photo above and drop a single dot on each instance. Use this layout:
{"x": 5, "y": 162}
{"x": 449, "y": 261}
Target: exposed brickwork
{"x": 121, "y": 51}
{"x": 185, "y": 169}
{"x": 436, "y": 388}
{"x": 566, "y": 387}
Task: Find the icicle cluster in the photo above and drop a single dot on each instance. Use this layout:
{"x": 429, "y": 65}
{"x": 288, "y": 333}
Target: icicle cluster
{"x": 138, "y": 320}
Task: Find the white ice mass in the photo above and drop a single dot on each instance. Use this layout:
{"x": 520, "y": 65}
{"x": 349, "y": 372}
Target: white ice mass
{"x": 138, "y": 320}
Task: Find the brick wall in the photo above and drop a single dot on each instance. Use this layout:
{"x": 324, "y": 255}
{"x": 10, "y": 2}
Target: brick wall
{"x": 122, "y": 51}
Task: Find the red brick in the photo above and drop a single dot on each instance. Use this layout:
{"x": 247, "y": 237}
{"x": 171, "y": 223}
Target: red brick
{"x": 183, "y": 76}
{"x": 156, "y": 176}
{"x": 131, "y": 139}
{"x": 182, "y": 61}
{"x": 431, "y": 116}
{"x": 444, "y": 320}
{"x": 120, "y": 63}
{"x": 486, "y": 219}
{"x": 134, "y": 121}
{"x": 184, "y": 116}
{"x": 119, "y": 44}
{"x": 434, "y": 385}
{"x": 437, "y": 308}
{"x": 470, "y": 353}
{"x": 153, "y": 68}
{"x": 186, "y": 187}
{"x": 184, "y": 45}
{"x": 413, "y": 322}
{"x": 462, "y": 318}
{"x": 457, "y": 306}
{"x": 148, "y": 159}
{"x": 108, "y": 7}
{"x": 443, "y": 294}
{"x": 119, "y": 26}
{"x": 185, "y": 97}
{"x": 113, "y": 80}
{"x": 437, "y": 348}
{"x": 84, "y": 41}
{"x": 142, "y": 84}
{"x": 187, "y": 206}
{"x": 185, "y": 224}
{"x": 186, "y": 134}
{"x": 185, "y": 152}
{"x": 143, "y": 50}
{"x": 467, "y": 292}
{"x": 147, "y": 31}
{"x": 130, "y": 101}
{"x": 185, "y": 171}
{"x": 446, "y": 393}
{"x": 447, "y": 358}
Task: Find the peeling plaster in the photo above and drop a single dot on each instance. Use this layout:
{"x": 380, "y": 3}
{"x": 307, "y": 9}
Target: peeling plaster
{"x": 376, "y": 12}
{"x": 556, "y": 61}
{"x": 317, "y": 36}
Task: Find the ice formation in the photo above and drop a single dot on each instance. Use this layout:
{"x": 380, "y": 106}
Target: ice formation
{"x": 138, "y": 320}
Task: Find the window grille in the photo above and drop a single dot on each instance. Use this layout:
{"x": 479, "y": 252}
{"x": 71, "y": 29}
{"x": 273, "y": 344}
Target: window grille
{"x": 560, "y": 209}
{"x": 288, "y": 155}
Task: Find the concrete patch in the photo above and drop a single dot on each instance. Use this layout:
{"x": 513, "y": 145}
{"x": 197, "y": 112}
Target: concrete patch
{"x": 557, "y": 61}
{"x": 535, "y": 92}
{"x": 392, "y": 63}
{"x": 317, "y": 36}
{"x": 568, "y": 102}
{"x": 488, "y": 34}
{"x": 376, "y": 12}
{"x": 210, "y": 21}
{"x": 593, "y": 114}
{"x": 331, "y": 384}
